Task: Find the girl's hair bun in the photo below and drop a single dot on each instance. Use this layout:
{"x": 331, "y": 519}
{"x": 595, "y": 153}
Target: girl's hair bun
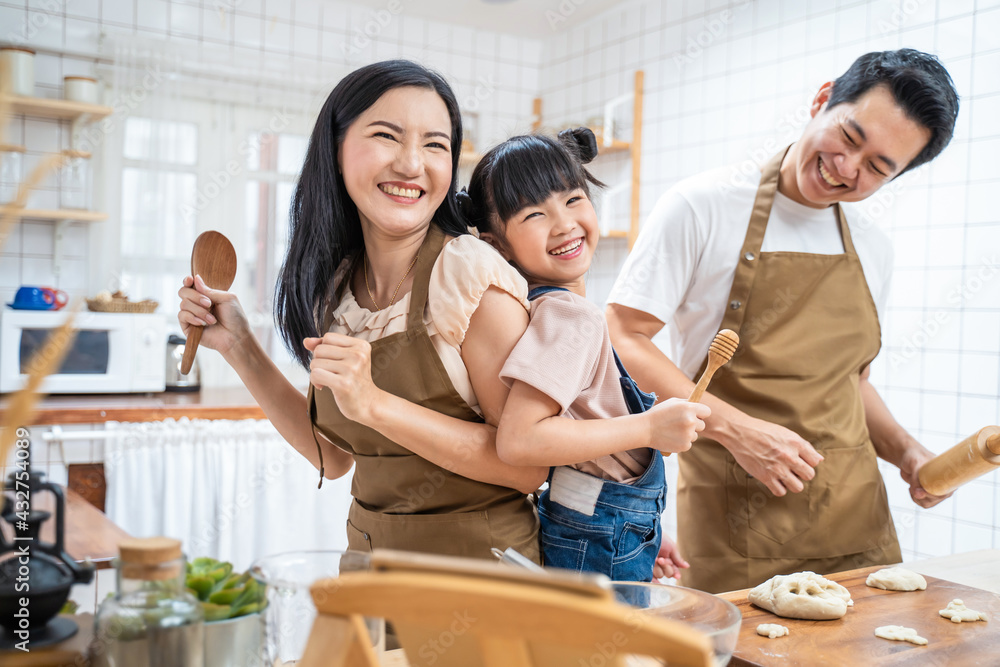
{"x": 465, "y": 205}
{"x": 582, "y": 141}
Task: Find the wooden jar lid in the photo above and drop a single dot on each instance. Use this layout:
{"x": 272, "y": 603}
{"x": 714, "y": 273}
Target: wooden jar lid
{"x": 79, "y": 78}
{"x": 150, "y": 558}
{"x": 149, "y": 550}
{"x": 17, "y": 48}
{"x": 11, "y": 148}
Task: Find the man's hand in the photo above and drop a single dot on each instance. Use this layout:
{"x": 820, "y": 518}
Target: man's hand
{"x": 774, "y": 455}
{"x": 909, "y": 468}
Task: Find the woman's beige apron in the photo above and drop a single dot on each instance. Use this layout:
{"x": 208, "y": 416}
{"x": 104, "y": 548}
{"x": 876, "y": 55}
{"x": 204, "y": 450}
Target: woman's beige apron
{"x": 403, "y": 501}
{"x": 808, "y": 327}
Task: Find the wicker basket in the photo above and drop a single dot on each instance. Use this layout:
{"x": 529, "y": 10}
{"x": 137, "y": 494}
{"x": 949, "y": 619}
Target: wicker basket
{"x": 122, "y": 306}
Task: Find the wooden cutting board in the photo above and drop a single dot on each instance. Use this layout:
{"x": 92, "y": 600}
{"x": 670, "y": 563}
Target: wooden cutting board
{"x": 851, "y": 640}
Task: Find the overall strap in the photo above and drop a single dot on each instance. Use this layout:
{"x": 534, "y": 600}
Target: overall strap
{"x": 544, "y": 289}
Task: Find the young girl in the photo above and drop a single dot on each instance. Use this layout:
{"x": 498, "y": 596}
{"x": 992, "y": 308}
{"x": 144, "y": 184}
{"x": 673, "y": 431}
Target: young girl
{"x": 529, "y": 197}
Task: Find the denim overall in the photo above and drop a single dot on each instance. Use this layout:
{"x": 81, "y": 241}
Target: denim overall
{"x": 594, "y": 525}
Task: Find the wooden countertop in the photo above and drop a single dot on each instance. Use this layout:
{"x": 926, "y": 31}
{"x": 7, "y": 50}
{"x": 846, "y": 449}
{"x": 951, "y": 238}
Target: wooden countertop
{"x": 223, "y": 403}
{"x": 972, "y": 577}
{"x": 89, "y": 533}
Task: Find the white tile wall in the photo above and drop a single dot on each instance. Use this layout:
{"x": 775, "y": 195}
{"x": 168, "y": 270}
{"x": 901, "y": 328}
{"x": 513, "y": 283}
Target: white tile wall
{"x": 494, "y": 76}
{"x": 730, "y": 75}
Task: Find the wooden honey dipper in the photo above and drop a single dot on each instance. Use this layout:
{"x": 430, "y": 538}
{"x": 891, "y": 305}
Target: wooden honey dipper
{"x": 975, "y": 456}
{"x": 719, "y": 353}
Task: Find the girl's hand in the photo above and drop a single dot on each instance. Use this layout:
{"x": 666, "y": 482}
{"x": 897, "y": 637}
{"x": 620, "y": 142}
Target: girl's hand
{"x": 675, "y": 424}
{"x": 668, "y": 562}
{"x": 220, "y": 313}
{"x": 344, "y": 366}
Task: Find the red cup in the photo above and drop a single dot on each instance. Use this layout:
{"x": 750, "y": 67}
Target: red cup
{"x": 56, "y": 297}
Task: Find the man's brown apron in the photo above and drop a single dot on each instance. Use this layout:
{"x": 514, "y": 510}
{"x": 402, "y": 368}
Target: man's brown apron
{"x": 403, "y": 501}
{"x": 808, "y": 327}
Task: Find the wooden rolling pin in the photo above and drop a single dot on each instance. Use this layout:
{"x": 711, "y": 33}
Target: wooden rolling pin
{"x": 975, "y": 456}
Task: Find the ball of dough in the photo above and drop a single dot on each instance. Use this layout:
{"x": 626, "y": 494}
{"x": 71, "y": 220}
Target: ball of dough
{"x": 771, "y": 630}
{"x": 896, "y": 579}
{"x": 898, "y": 633}
{"x": 958, "y": 612}
{"x": 804, "y": 595}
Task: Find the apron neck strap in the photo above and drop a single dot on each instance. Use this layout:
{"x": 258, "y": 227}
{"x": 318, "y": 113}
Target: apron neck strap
{"x": 845, "y": 232}
{"x": 428, "y": 254}
{"x": 764, "y": 200}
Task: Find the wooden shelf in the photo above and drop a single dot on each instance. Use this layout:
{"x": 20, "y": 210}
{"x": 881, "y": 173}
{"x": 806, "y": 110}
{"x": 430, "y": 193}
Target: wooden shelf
{"x": 615, "y": 147}
{"x": 632, "y": 148}
{"x": 469, "y": 159}
{"x": 55, "y": 214}
{"x": 63, "y": 109}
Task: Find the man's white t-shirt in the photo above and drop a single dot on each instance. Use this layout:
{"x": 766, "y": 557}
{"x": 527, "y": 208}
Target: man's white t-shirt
{"x": 682, "y": 265}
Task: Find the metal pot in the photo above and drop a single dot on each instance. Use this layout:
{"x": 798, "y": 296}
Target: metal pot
{"x": 175, "y": 380}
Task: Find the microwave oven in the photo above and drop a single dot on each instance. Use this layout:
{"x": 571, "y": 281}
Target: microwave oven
{"x": 110, "y": 353}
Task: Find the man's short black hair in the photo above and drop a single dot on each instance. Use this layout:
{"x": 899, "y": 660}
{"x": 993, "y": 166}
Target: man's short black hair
{"x": 920, "y": 85}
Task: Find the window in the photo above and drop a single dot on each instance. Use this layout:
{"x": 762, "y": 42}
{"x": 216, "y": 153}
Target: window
{"x": 158, "y": 197}
{"x": 273, "y": 162}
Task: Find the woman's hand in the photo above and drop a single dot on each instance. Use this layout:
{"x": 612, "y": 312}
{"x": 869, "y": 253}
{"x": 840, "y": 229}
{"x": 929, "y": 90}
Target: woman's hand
{"x": 668, "y": 562}
{"x": 344, "y": 366}
{"x": 675, "y": 424}
{"x": 220, "y": 313}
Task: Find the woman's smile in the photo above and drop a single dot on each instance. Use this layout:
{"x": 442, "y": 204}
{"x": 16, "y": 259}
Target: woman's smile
{"x": 403, "y": 193}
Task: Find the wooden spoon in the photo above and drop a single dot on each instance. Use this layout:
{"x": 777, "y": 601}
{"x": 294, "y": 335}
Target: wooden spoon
{"x": 719, "y": 353}
{"x": 214, "y": 259}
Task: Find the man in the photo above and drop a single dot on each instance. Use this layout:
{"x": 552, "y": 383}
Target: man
{"x": 785, "y": 478}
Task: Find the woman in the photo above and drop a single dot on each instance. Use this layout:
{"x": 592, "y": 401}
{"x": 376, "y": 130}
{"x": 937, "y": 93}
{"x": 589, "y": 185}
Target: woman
{"x": 403, "y": 319}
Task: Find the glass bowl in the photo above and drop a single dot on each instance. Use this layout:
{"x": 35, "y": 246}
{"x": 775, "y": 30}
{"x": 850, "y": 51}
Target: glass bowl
{"x": 716, "y": 617}
{"x": 290, "y": 611}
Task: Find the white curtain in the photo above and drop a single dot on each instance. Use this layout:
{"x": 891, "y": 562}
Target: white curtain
{"x": 232, "y": 490}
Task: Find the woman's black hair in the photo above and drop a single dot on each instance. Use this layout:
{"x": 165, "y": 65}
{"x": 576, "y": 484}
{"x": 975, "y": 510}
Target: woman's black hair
{"x": 524, "y": 171}
{"x": 920, "y": 85}
{"x": 324, "y": 224}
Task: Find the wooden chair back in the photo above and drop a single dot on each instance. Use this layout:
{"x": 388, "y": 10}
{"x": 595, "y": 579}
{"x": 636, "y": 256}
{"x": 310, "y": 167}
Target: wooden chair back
{"x": 456, "y": 612}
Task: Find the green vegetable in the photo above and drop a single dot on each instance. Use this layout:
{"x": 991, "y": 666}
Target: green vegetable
{"x": 216, "y": 612}
{"x": 226, "y": 597}
{"x": 222, "y": 592}
{"x": 202, "y": 586}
